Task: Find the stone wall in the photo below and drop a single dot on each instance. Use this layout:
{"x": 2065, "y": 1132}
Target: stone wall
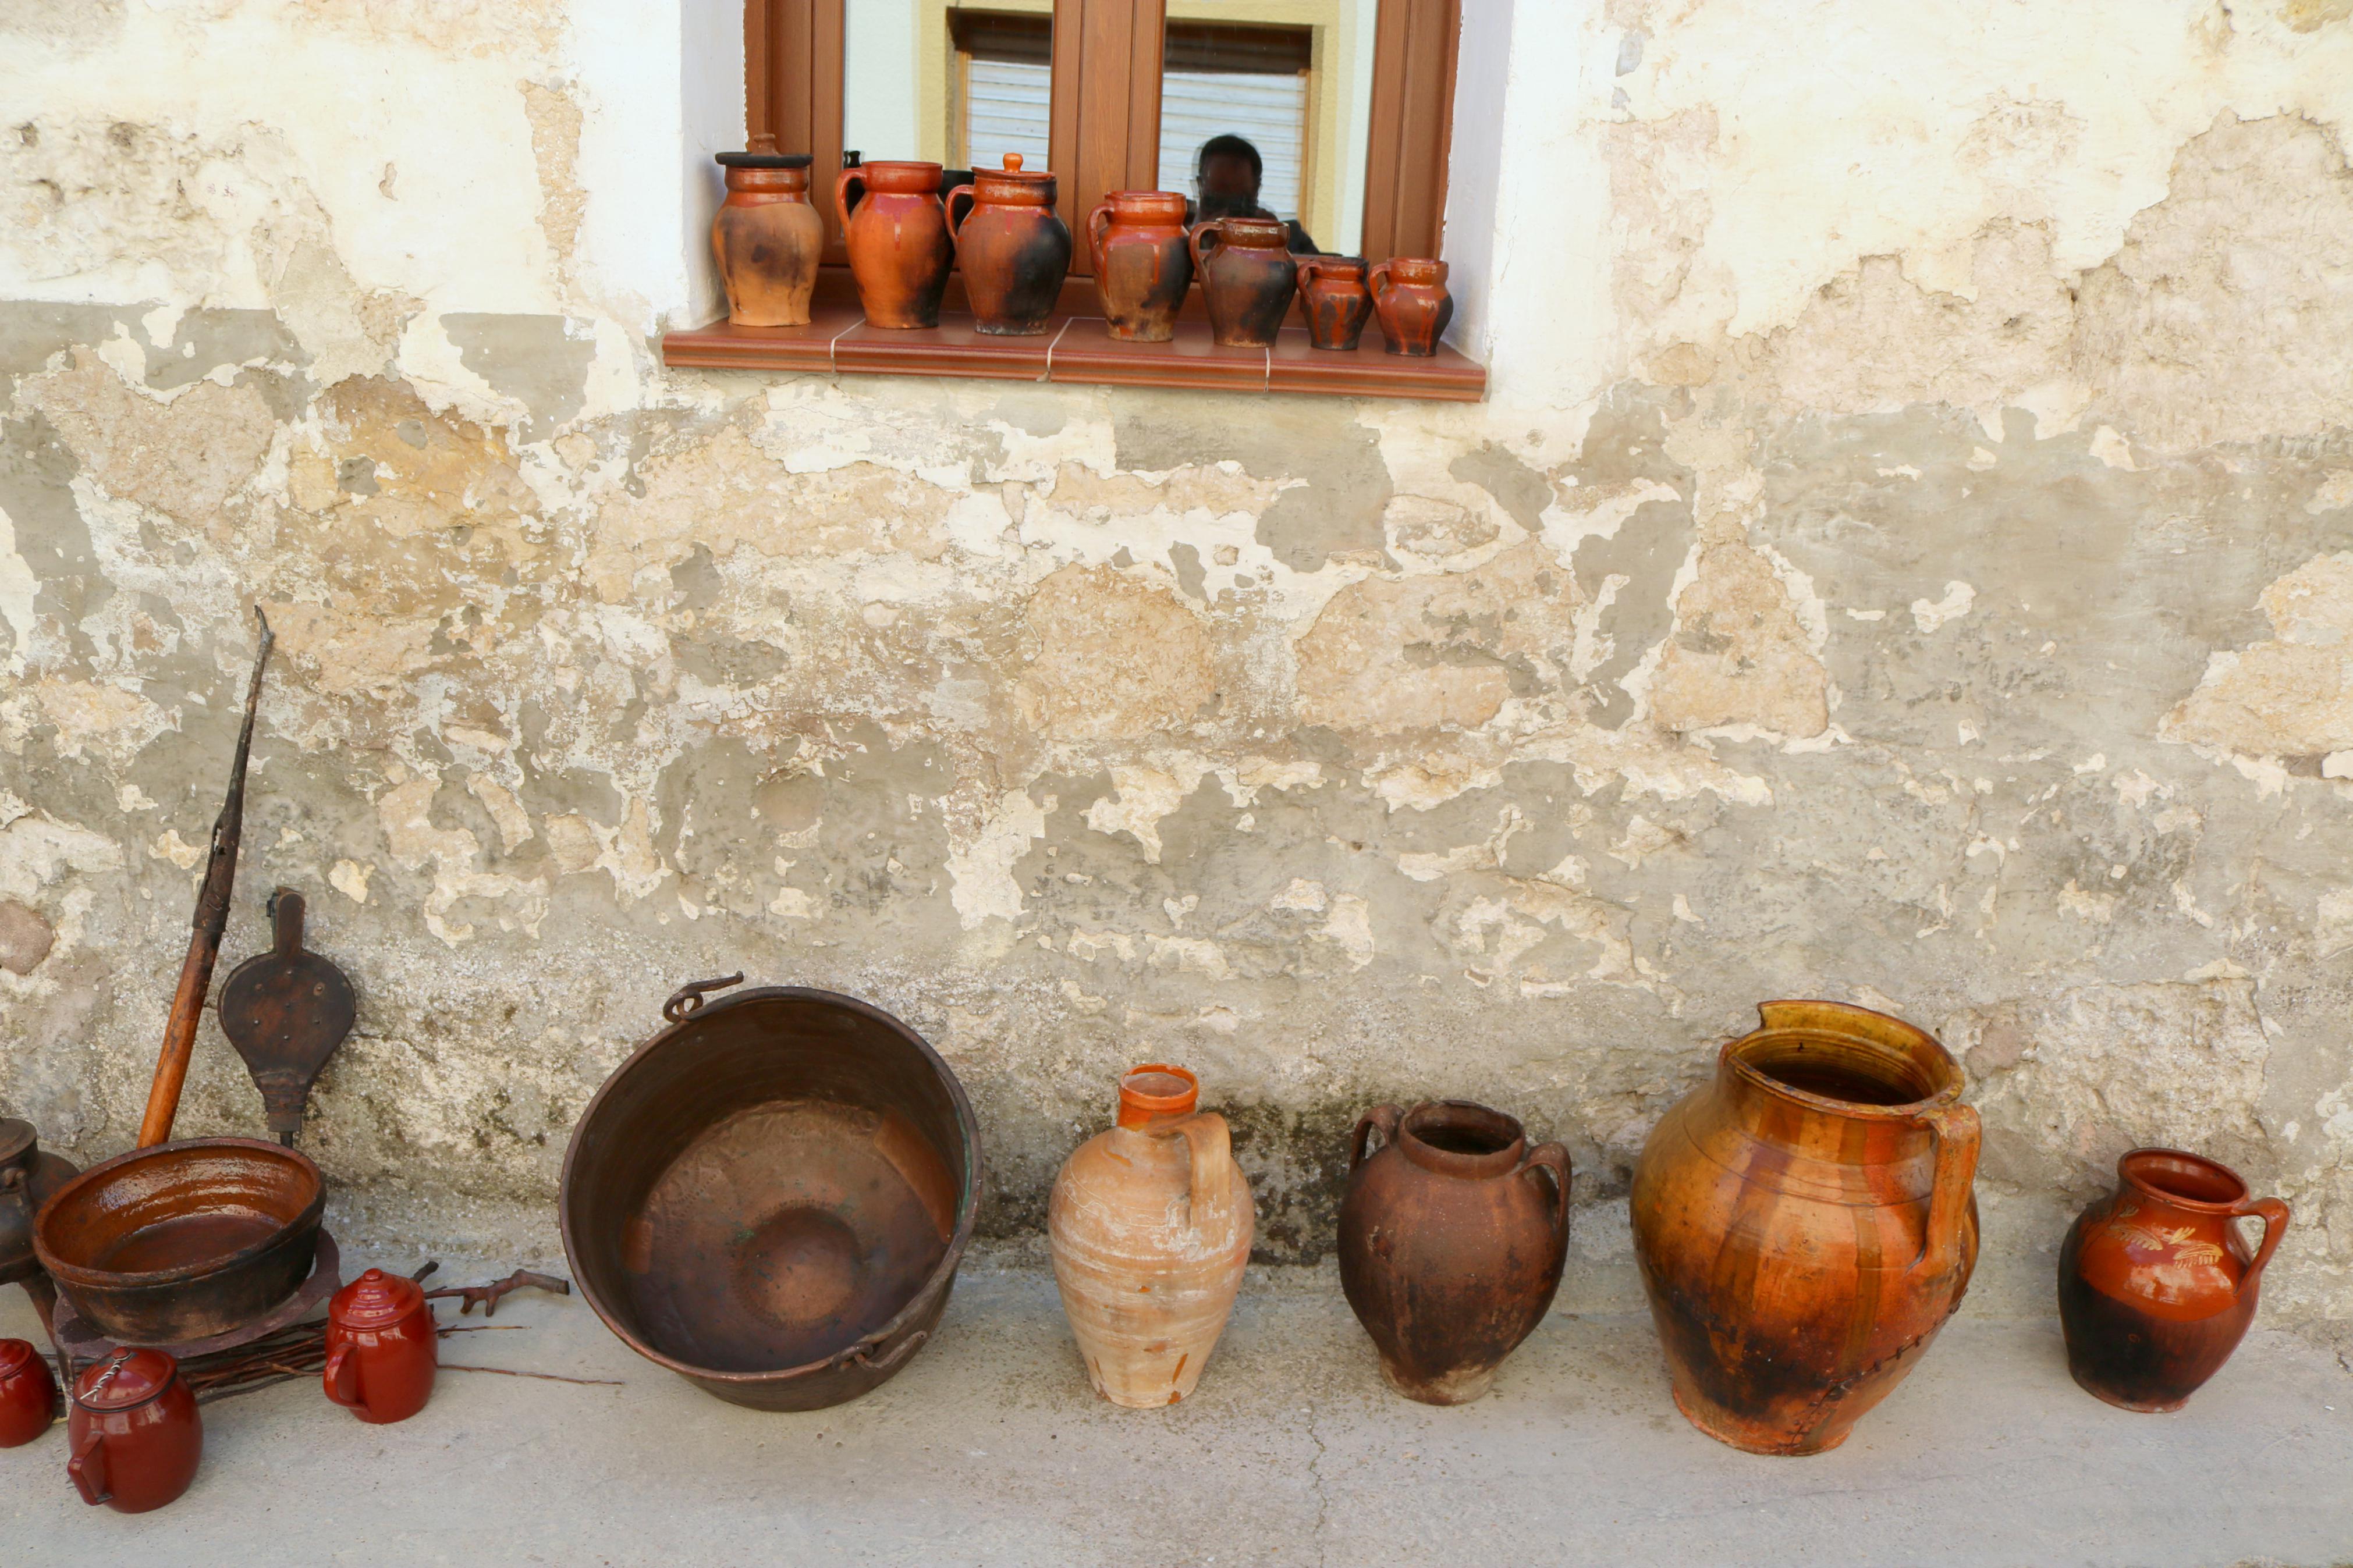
{"x": 1908, "y": 557}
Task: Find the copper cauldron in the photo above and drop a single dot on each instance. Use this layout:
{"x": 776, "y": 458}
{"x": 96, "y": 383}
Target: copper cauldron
{"x": 771, "y": 1196}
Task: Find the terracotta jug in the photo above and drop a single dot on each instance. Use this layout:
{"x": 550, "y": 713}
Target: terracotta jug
{"x": 381, "y": 1348}
{"x": 1334, "y": 300}
{"x": 767, "y": 236}
{"x": 1449, "y": 1248}
{"x": 897, "y": 231}
{"x": 1143, "y": 263}
{"x": 2157, "y": 1286}
{"x": 29, "y": 1395}
{"x": 134, "y": 1432}
{"x": 1248, "y": 278}
{"x": 27, "y": 1178}
{"x": 1014, "y": 251}
{"x": 1150, "y": 1225}
{"x": 1806, "y": 1222}
{"x": 1411, "y": 298}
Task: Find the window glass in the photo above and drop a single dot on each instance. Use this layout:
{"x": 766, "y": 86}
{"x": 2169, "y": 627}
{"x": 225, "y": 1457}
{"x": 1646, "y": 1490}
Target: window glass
{"x": 958, "y": 85}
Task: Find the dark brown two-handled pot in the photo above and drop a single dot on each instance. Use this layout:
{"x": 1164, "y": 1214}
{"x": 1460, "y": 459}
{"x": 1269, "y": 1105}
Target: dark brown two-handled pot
{"x": 28, "y": 1178}
{"x": 897, "y": 234}
{"x": 767, "y": 236}
{"x": 1806, "y": 1222}
{"x": 1411, "y": 298}
{"x": 29, "y": 1395}
{"x": 382, "y": 1348}
{"x": 1334, "y": 300}
{"x": 1142, "y": 262}
{"x": 1248, "y": 277}
{"x": 2157, "y": 1286}
{"x": 1013, "y": 250}
{"x": 134, "y": 1435}
{"x": 1451, "y": 1241}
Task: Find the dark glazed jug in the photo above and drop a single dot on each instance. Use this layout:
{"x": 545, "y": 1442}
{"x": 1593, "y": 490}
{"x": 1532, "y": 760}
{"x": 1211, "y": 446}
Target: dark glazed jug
{"x": 1449, "y": 1252}
{"x": 1248, "y": 278}
{"x": 1014, "y": 251}
{"x": 897, "y": 231}
{"x": 27, "y": 1178}
{"x": 1805, "y": 1223}
{"x": 381, "y": 1348}
{"x": 29, "y": 1395}
{"x": 1142, "y": 263}
{"x": 768, "y": 238}
{"x": 135, "y": 1434}
{"x": 1334, "y": 300}
{"x": 1411, "y": 298}
{"x": 2157, "y": 1286}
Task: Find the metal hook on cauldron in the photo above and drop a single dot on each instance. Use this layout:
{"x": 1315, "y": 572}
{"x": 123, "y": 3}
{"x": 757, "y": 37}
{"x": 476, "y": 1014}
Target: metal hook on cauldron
{"x": 688, "y": 998}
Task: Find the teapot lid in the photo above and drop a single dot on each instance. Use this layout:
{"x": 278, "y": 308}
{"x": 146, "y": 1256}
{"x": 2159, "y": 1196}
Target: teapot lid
{"x": 126, "y": 1378}
{"x": 14, "y": 1355}
{"x": 761, "y": 152}
{"x": 375, "y": 1300}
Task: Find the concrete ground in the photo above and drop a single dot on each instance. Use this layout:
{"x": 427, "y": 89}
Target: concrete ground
{"x": 990, "y": 1448}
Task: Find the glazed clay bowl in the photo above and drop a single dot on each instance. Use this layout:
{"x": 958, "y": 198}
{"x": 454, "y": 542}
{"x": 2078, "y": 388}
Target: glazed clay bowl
{"x": 771, "y": 1196}
{"x": 183, "y": 1241}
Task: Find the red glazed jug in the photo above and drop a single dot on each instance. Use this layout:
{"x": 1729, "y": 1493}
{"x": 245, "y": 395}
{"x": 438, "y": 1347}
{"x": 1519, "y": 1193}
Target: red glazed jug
{"x": 1334, "y": 300}
{"x": 381, "y": 1348}
{"x": 134, "y": 1431}
{"x": 1142, "y": 264}
{"x": 29, "y": 1395}
{"x": 897, "y": 233}
{"x": 1411, "y": 298}
{"x": 1248, "y": 278}
{"x": 1014, "y": 251}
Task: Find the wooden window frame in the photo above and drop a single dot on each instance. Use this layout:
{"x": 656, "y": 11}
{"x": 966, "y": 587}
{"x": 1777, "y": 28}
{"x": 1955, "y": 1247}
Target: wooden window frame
{"x": 1103, "y": 135}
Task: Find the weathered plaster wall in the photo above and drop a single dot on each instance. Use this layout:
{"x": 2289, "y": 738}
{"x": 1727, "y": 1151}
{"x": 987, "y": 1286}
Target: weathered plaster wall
{"x": 1908, "y": 556}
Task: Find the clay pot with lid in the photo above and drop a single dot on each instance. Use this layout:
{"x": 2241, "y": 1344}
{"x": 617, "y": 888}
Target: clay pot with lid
{"x": 1150, "y": 1225}
{"x": 1451, "y": 1241}
{"x": 1411, "y": 298}
{"x": 134, "y": 1432}
{"x": 1248, "y": 278}
{"x": 1334, "y": 300}
{"x": 28, "y": 1394}
{"x": 1143, "y": 263}
{"x": 1013, "y": 249}
{"x": 1806, "y": 1222}
{"x": 897, "y": 234}
{"x": 28, "y": 1178}
{"x": 382, "y": 1348}
{"x": 2156, "y": 1283}
{"x": 768, "y": 238}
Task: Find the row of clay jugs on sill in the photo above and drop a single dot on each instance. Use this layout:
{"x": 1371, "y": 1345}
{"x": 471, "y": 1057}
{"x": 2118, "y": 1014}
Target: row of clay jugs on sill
{"x": 134, "y": 1436}
{"x": 1248, "y": 278}
{"x": 2156, "y": 1283}
{"x": 1143, "y": 261}
{"x": 1013, "y": 250}
{"x": 382, "y": 1348}
{"x": 768, "y": 238}
{"x": 1452, "y": 1237}
{"x": 28, "y": 1394}
{"x": 896, "y": 231}
{"x": 1806, "y": 1222}
{"x": 1150, "y": 1225}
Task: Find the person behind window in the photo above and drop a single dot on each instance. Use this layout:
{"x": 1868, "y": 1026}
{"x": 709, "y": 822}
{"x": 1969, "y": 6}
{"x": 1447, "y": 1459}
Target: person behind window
{"x": 1225, "y": 179}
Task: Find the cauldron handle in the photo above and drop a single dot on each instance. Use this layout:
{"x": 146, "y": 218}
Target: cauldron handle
{"x": 688, "y": 998}
{"x": 890, "y": 1362}
{"x": 1381, "y": 1118}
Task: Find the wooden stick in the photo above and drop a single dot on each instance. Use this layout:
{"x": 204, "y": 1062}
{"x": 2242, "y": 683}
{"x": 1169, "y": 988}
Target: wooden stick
{"x": 211, "y": 921}
{"x": 542, "y": 1377}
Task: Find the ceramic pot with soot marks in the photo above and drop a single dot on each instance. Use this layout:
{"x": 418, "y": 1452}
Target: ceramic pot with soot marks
{"x": 1334, "y": 300}
{"x": 1143, "y": 263}
{"x": 768, "y": 238}
{"x": 1248, "y": 277}
{"x": 1014, "y": 251}
{"x": 897, "y": 234}
{"x": 1410, "y": 297}
{"x": 1150, "y": 1225}
{"x": 2156, "y": 1283}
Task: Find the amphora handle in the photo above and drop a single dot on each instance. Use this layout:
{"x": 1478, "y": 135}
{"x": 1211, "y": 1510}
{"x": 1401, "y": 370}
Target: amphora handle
{"x": 1211, "y": 1183}
{"x": 1381, "y": 1119}
{"x": 1098, "y": 226}
{"x": 1553, "y": 1158}
{"x": 1959, "y": 1133}
{"x": 842, "y": 201}
{"x": 2274, "y": 1215}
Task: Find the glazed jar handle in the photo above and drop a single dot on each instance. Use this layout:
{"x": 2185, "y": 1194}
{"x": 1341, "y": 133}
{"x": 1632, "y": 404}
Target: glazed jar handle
{"x": 1958, "y": 1133}
{"x": 2274, "y": 1215}
{"x": 1553, "y": 1158}
{"x": 1215, "y": 232}
{"x": 956, "y": 224}
{"x": 342, "y": 1377}
{"x": 1377, "y": 278}
{"x": 1211, "y": 1181}
{"x": 1381, "y": 1119}
{"x": 87, "y": 1468}
{"x": 1098, "y": 226}
{"x": 842, "y": 201}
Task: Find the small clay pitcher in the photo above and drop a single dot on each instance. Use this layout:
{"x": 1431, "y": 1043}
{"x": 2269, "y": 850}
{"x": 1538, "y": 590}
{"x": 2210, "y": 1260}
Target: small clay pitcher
{"x": 897, "y": 231}
{"x": 1150, "y": 1226}
{"x": 2157, "y": 1286}
{"x": 1013, "y": 249}
{"x": 767, "y": 236}
{"x": 1450, "y": 1247}
{"x": 29, "y": 1395}
{"x": 381, "y": 1348}
{"x": 1248, "y": 277}
{"x": 1334, "y": 300}
{"x": 1142, "y": 262}
{"x": 27, "y": 1178}
{"x": 1411, "y": 298}
{"x": 134, "y": 1435}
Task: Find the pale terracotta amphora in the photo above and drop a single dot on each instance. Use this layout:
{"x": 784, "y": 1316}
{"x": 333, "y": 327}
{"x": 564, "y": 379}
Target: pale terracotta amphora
{"x": 1151, "y": 1224}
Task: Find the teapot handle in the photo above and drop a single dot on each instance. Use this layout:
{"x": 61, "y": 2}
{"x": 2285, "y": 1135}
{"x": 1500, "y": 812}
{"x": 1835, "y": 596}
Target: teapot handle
{"x": 1553, "y": 1158}
{"x": 2274, "y": 1215}
{"x": 1211, "y": 1181}
{"x": 342, "y": 1377}
{"x": 1098, "y": 226}
{"x": 1381, "y": 1119}
{"x": 1957, "y": 1133}
{"x": 87, "y": 1468}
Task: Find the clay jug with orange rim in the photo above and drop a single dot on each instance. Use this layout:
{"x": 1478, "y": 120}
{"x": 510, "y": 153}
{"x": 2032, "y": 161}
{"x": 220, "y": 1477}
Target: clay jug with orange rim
{"x": 2157, "y": 1285}
{"x": 1410, "y": 297}
{"x": 1014, "y": 251}
{"x": 897, "y": 235}
{"x": 1806, "y": 1222}
{"x": 1142, "y": 263}
{"x": 1334, "y": 300}
{"x": 1150, "y": 1225}
{"x": 766, "y": 237}
{"x": 1248, "y": 277}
